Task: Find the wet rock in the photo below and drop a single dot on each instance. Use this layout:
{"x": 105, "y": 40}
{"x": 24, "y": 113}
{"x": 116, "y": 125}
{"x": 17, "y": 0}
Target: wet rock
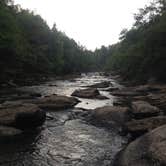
{"x": 148, "y": 150}
{"x": 122, "y": 102}
{"x": 142, "y": 109}
{"x": 104, "y": 84}
{"x": 139, "y": 127}
{"x": 9, "y": 132}
{"x": 17, "y": 95}
{"x": 90, "y": 93}
{"x": 110, "y": 114}
{"x": 158, "y": 100}
{"x": 125, "y": 93}
{"x": 52, "y": 85}
{"x": 21, "y": 115}
{"x": 55, "y": 102}
{"x": 111, "y": 89}
{"x": 146, "y": 88}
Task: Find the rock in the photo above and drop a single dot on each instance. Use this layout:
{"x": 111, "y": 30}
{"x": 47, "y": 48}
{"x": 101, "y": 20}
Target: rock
{"x": 52, "y": 85}
{"x": 139, "y": 127}
{"x": 122, "y": 102}
{"x": 34, "y": 95}
{"x": 125, "y": 93}
{"x": 158, "y": 100}
{"x": 55, "y": 102}
{"x": 104, "y": 84}
{"x": 110, "y": 114}
{"x": 100, "y": 97}
{"x": 142, "y": 109}
{"x": 111, "y": 89}
{"x": 11, "y": 84}
{"x": 146, "y": 88}
{"x": 9, "y": 132}
{"x": 148, "y": 150}
{"x": 21, "y": 115}
{"x": 88, "y": 93}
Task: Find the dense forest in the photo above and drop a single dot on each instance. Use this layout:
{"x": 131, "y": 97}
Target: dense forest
{"x": 30, "y": 48}
{"x": 141, "y": 52}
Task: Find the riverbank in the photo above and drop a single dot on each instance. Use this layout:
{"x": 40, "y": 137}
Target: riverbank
{"x": 146, "y": 126}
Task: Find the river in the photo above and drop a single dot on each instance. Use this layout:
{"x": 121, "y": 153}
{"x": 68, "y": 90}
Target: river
{"x": 66, "y": 139}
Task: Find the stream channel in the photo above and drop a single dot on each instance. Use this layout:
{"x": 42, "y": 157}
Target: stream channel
{"x": 67, "y": 139}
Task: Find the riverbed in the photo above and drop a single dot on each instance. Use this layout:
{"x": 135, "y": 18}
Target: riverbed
{"x": 66, "y": 139}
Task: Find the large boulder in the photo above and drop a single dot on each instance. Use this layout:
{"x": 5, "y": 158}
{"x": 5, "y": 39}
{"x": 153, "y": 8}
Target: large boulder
{"x": 139, "y": 127}
{"x": 21, "y": 115}
{"x": 142, "y": 109}
{"x": 90, "y": 93}
{"x": 104, "y": 84}
{"x": 55, "y": 102}
{"x": 148, "y": 150}
{"x": 111, "y": 115}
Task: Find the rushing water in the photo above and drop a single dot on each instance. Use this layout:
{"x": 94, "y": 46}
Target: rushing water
{"x": 66, "y": 140}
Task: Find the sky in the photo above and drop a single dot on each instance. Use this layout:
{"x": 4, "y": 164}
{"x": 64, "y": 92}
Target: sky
{"x": 92, "y": 23}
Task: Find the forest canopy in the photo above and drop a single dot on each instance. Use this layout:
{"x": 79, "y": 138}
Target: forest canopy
{"x": 141, "y": 52}
{"x": 28, "y": 47}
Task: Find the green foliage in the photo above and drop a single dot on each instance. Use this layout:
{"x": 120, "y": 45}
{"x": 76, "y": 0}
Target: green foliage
{"x": 140, "y": 54}
{"x": 28, "y": 47}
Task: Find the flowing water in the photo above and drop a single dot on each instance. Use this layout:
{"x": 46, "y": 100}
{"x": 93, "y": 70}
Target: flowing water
{"x": 66, "y": 139}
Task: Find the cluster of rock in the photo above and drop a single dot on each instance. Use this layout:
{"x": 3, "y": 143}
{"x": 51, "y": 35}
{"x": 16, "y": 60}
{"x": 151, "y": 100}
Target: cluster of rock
{"x": 146, "y": 125}
{"x": 19, "y": 115}
{"x": 140, "y": 112}
{"x": 20, "y": 110}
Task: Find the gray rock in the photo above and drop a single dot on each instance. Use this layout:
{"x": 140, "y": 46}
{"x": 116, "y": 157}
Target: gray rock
{"x": 125, "y": 93}
{"x": 89, "y": 93}
{"x": 148, "y": 150}
{"x": 104, "y": 84}
{"x": 107, "y": 114}
{"x": 21, "y": 115}
{"x": 55, "y": 102}
{"x": 142, "y": 109}
{"x": 139, "y": 127}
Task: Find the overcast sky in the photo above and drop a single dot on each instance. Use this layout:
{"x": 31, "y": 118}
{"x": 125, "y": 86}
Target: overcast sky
{"x": 91, "y": 22}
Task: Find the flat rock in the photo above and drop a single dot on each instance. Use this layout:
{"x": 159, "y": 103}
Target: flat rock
{"x": 104, "y": 84}
{"x": 125, "y": 93}
{"x": 146, "y": 88}
{"x": 158, "y": 99}
{"x": 55, "y": 102}
{"x": 90, "y": 93}
{"x": 139, "y": 127}
{"x": 21, "y": 115}
{"x": 148, "y": 150}
{"x": 108, "y": 114}
{"x": 111, "y": 89}
{"x": 142, "y": 109}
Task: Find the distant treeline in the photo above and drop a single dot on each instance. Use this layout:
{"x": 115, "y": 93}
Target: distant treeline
{"x": 29, "y": 48}
{"x": 141, "y": 52}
